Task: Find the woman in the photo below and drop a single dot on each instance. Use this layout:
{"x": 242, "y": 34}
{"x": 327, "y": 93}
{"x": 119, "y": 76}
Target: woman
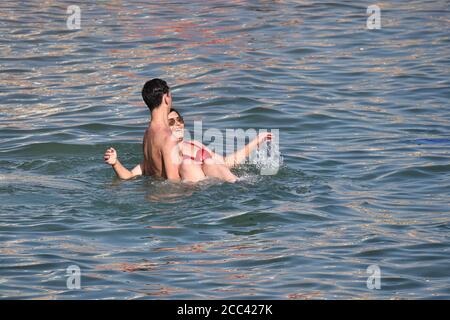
{"x": 198, "y": 161}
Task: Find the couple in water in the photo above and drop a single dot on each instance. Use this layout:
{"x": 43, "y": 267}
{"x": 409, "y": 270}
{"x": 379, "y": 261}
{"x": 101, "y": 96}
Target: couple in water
{"x": 167, "y": 155}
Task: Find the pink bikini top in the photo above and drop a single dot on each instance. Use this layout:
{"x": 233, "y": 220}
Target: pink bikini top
{"x": 200, "y": 156}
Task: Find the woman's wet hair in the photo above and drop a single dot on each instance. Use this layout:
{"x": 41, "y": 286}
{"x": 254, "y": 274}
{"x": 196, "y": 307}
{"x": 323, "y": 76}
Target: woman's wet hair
{"x": 176, "y": 111}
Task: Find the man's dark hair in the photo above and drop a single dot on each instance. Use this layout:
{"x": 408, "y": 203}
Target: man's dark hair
{"x": 153, "y": 91}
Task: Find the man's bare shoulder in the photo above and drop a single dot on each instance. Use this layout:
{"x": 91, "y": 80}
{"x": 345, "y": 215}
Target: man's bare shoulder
{"x": 169, "y": 140}
{"x": 159, "y": 136}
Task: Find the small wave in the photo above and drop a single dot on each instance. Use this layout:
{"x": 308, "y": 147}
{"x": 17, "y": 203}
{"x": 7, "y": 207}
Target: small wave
{"x": 432, "y": 141}
{"x": 30, "y": 181}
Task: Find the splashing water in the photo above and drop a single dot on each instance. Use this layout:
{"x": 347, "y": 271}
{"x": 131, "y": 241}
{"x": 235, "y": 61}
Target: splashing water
{"x": 268, "y": 158}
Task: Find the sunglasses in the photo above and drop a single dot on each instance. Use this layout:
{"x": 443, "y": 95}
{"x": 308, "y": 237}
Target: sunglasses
{"x": 178, "y": 119}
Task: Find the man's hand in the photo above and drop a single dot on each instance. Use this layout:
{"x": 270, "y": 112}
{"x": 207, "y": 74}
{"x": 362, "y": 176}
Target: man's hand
{"x": 110, "y": 156}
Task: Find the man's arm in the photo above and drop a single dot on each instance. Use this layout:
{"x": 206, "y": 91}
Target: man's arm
{"x": 110, "y": 157}
{"x": 171, "y": 159}
{"x": 124, "y": 173}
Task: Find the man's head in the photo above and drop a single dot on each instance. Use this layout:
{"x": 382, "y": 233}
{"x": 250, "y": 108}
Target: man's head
{"x": 155, "y": 93}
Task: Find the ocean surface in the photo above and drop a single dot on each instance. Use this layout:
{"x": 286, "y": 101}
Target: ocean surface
{"x": 364, "y": 134}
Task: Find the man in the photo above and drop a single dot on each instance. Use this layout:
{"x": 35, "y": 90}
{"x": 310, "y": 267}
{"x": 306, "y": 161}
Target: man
{"x": 161, "y": 152}
{"x": 162, "y": 155}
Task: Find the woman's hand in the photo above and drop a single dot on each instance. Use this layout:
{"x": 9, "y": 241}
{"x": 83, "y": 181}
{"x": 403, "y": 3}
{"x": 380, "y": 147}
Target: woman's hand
{"x": 110, "y": 156}
{"x": 264, "y": 136}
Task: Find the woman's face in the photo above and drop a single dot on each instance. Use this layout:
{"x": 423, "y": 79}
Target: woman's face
{"x": 176, "y": 125}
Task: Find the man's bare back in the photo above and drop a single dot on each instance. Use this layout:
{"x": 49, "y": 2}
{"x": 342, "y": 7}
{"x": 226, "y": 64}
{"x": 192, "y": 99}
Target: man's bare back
{"x": 160, "y": 151}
